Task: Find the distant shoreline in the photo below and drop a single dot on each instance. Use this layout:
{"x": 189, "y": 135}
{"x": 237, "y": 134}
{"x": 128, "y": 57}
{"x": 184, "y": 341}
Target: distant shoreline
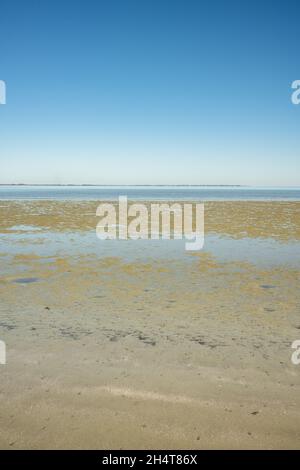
{"x": 85, "y": 185}
{"x": 132, "y": 185}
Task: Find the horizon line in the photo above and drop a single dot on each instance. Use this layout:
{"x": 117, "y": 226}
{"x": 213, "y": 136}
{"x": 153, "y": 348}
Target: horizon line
{"x": 151, "y": 185}
{"x": 105, "y": 184}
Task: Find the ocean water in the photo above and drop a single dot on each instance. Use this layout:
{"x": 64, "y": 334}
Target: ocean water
{"x": 204, "y": 193}
{"x": 265, "y": 253}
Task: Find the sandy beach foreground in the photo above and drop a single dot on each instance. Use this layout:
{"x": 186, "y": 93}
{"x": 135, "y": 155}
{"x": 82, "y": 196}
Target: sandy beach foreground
{"x": 139, "y": 344}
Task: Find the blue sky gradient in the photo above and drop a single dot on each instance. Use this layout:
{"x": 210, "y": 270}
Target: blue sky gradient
{"x": 150, "y": 92}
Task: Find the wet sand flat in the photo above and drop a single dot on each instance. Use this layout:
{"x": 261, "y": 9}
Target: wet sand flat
{"x": 139, "y": 344}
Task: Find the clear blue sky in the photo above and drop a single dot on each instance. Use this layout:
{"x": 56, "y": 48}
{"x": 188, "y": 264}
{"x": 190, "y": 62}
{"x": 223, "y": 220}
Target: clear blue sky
{"x": 150, "y": 92}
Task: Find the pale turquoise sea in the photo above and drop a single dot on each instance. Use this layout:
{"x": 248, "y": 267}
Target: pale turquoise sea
{"x": 203, "y": 193}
